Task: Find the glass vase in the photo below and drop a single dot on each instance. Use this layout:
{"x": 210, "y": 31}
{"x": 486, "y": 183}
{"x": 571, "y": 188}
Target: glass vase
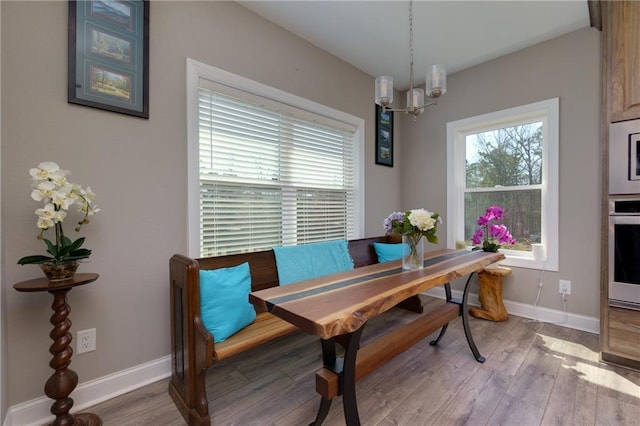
{"x": 59, "y": 271}
{"x": 412, "y": 252}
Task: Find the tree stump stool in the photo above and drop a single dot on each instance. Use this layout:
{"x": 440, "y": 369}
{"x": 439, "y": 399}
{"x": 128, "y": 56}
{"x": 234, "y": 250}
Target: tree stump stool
{"x": 490, "y": 294}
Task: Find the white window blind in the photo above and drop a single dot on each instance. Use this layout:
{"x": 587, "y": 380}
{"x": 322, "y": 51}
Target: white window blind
{"x": 271, "y": 174}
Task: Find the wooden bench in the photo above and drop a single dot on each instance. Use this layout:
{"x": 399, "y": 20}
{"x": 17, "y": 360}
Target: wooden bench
{"x": 192, "y": 346}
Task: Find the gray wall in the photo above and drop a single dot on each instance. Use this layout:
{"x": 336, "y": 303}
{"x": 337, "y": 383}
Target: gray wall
{"x": 567, "y": 67}
{"x": 137, "y": 168}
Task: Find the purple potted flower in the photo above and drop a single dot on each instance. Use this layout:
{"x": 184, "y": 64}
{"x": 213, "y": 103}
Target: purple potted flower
{"x": 491, "y": 235}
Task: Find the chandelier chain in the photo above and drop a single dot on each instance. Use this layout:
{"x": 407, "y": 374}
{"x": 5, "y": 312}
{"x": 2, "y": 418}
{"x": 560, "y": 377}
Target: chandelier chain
{"x": 435, "y": 85}
{"x": 411, "y": 29}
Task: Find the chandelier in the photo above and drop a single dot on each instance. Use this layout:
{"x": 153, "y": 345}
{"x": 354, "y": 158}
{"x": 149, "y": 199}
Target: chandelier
{"x": 436, "y": 84}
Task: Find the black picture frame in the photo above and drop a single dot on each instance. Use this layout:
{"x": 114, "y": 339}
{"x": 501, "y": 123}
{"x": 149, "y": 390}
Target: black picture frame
{"x": 109, "y": 55}
{"x": 384, "y": 137}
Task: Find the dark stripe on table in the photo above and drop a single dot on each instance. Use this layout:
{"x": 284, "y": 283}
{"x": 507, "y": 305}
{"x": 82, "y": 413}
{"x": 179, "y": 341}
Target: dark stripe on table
{"x": 341, "y": 284}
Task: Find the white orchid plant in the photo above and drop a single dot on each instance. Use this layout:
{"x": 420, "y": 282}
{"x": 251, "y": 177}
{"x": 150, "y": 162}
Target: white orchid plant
{"x": 51, "y": 187}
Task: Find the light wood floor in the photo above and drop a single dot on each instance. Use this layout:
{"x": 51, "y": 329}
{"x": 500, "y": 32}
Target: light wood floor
{"x": 535, "y": 374}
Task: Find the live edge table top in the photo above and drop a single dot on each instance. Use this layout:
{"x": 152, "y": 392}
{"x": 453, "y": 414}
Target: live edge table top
{"x": 341, "y": 303}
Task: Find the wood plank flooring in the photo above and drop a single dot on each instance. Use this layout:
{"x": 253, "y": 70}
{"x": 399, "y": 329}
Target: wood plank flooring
{"x": 535, "y": 374}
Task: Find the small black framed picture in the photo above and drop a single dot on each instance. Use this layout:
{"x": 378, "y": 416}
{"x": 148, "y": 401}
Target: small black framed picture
{"x": 109, "y": 55}
{"x": 384, "y": 137}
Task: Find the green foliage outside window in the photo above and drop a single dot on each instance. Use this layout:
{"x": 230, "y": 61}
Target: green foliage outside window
{"x": 504, "y": 167}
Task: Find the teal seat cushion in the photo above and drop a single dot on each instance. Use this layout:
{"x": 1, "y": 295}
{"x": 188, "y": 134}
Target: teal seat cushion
{"x": 387, "y": 252}
{"x": 224, "y": 300}
{"x": 307, "y": 261}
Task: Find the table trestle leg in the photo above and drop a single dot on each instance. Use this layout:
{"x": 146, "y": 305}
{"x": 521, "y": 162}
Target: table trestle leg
{"x": 447, "y": 290}
{"x": 348, "y": 381}
{"x": 465, "y": 321}
{"x": 338, "y": 377}
{"x": 323, "y": 410}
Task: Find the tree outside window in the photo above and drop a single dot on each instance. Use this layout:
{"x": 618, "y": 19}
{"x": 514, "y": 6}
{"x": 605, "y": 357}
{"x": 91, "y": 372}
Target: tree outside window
{"x": 507, "y": 158}
{"x": 504, "y": 167}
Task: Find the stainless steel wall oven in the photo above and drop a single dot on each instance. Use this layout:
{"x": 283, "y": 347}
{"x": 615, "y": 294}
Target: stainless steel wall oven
{"x": 624, "y": 252}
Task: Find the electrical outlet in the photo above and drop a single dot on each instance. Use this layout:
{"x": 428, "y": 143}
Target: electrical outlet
{"x": 86, "y": 341}
{"x": 565, "y": 287}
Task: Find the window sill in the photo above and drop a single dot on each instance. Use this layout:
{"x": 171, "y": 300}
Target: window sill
{"x": 528, "y": 262}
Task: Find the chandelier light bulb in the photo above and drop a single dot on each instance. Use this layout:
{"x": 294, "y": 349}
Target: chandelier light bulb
{"x": 384, "y": 90}
{"x": 436, "y": 81}
{"x": 415, "y": 100}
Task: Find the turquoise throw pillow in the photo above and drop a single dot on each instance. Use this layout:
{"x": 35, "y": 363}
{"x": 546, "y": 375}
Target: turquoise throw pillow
{"x": 387, "y": 252}
{"x": 307, "y": 261}
{"x": 224, "y": 300}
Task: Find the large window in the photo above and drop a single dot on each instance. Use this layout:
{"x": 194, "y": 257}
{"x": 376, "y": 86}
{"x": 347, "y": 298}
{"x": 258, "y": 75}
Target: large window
{"x": 507, "y": 158}
{"x": 267, "y": 168}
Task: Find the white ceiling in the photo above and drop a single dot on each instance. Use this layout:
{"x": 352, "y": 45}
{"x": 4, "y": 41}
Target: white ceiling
{"x": 374, "y": 35}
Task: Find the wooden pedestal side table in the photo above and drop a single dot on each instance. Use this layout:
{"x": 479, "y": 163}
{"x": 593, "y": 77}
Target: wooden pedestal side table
{"x": 490, "y": 295}
{"x": 64, "y": 380}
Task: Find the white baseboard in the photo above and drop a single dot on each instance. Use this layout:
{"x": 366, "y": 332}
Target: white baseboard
{"x": 37, "y": 411}
{"x": 554, "y": 316}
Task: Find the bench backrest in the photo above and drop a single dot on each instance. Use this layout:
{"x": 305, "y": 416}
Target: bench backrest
{"x": 264, "y": 273}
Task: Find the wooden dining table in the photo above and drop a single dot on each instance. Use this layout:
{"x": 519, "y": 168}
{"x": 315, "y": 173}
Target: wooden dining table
{"x": 337, "y": 307}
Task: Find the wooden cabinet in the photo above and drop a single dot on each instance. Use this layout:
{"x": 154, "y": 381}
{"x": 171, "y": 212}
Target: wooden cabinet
{"x": 624, "y": 332}
{"x": 622, "y": 38}
{"x": 619, "y": 328}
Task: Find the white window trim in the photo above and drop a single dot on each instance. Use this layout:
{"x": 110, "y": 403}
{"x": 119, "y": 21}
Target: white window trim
{"x": 456, "y": 132}
{"x": 197, "y": 70}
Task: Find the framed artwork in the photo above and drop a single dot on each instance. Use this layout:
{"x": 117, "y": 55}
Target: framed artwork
{"x": 384, "y": 137}
{"x": 109, "y": 55}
